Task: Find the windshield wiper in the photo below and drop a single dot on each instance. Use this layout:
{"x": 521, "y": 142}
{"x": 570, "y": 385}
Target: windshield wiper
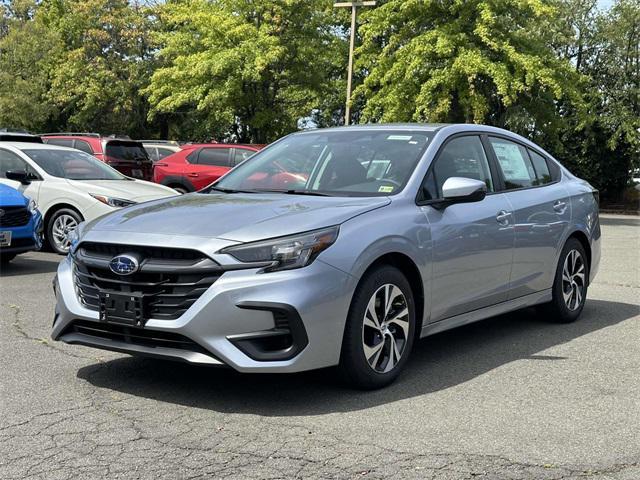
{"x": 300, "y": 192}
{"x": 230, "y": 190}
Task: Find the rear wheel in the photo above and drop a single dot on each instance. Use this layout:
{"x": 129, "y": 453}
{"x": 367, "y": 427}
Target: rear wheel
{"x": 60, "y": 225}
{"x": 380, "y": 329}
{"x": 570, "y": 284}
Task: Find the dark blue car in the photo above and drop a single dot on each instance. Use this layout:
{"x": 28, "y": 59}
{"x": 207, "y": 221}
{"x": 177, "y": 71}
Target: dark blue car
{"x": 20, "y": 224}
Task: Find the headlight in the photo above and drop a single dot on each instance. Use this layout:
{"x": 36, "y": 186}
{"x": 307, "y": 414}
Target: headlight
{"x": 33, "y": 206}
{"x": 113, "y": 201}
{"x": 285, "y": 253}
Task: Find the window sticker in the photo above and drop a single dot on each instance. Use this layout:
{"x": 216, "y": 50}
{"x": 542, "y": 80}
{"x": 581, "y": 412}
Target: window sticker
{"x": 385, "y": 189}
{"x": 399, "y": 137}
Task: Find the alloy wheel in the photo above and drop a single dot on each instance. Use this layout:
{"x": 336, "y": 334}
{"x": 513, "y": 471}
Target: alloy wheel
{"x": 386, "y": 328}
{"x": 573, "y": 280}
{"x": 63, "y": 225}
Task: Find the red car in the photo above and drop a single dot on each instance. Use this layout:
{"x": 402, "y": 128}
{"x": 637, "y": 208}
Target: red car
{"x": 127, "y": 156}
{"x": 197, "y": 165}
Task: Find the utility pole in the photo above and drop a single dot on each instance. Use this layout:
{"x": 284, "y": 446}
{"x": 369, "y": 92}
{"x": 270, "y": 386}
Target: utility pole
{"x": 352, "y": 41}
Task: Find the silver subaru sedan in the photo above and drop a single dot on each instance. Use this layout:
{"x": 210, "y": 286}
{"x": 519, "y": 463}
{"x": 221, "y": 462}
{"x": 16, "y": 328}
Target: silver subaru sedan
{"x": 336, "y": 247}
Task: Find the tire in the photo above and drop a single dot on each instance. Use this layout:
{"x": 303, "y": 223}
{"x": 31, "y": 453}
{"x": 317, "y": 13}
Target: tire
{"x": 373, "y": 370}
{"x": 5, "y": 258}
{"x": 569, "y": 291}
{"x": 58, "y": 227}
{"x": 180, "y": 189}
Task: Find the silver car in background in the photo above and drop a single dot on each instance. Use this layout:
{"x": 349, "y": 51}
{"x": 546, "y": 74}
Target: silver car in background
{"x": 336, "y": 247}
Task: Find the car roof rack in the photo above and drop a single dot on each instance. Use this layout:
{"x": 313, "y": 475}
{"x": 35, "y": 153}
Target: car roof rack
{"x": 71, "y": 134}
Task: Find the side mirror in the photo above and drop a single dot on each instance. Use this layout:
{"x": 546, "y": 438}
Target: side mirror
{"x": 19, "y": 176}
{"x": 463, "y": 190}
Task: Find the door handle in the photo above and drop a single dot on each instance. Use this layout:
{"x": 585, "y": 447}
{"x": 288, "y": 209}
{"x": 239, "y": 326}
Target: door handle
{"x": 502, "y": 217}
{"x": 560, "y": 206}
{"x": 192, "y": 175}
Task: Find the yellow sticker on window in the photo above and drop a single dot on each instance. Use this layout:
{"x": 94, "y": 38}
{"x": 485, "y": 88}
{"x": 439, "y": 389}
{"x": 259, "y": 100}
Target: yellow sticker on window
{"x": 385, "y": 189}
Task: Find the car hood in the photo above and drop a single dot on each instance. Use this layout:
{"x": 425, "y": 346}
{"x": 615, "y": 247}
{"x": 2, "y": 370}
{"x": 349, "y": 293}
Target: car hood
{"x": 237, "y": 217}
{"x": 10, "y": 197}
{"x": 135, "y": 190}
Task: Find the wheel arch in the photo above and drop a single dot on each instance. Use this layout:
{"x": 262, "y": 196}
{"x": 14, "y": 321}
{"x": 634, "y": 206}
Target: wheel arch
{"x": 584, "y": 241}
{"x": 411, "y": 271}
{"x": 59, "y": 206}
{"x": 172, "y": 180}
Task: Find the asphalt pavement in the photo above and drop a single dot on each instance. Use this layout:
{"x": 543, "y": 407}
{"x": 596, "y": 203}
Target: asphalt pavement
{"x": 513, "y": 397}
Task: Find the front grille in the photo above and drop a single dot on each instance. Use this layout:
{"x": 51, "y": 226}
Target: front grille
{"x": 135, "y": 336}
{"x": 170, "y": 280}
{"x": 15, "y": 217}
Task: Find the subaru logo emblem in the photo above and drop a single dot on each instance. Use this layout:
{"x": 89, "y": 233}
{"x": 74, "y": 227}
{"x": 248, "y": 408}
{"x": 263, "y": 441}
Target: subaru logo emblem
{"x": 124, "y": 265}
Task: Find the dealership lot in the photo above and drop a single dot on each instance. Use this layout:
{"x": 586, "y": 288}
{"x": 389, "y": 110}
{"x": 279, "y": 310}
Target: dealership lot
{"x": 511, "y": 398}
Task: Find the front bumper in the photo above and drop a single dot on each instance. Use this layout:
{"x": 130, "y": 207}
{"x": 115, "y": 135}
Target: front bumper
{"x": 239, "y": 305}
{"x": 25, "y": 238}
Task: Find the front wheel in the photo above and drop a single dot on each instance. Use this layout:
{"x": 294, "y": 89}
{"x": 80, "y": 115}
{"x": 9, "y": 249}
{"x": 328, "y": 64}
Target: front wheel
{"x": 380, "y": 329}
{"x": 570, "y": 284}
{"x": 60, "y": 225}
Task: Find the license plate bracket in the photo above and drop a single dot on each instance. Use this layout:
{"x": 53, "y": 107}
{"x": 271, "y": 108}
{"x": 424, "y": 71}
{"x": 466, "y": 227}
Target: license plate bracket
{"x": 5, "y": 238}
{"x": 124, "y": 308}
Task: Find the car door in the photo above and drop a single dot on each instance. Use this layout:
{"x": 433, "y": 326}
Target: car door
{"x": 206, "y": 165}
{"x": 541, "y": 209}
{"x": 11, "y": 161}
{"x": 472, "y": 243}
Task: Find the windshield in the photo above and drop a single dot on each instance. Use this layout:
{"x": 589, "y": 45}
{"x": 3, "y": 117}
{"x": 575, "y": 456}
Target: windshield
{"x": 74, "y": 165}
{"x": 340, "y": 163}
{"x": 126, "y": 150}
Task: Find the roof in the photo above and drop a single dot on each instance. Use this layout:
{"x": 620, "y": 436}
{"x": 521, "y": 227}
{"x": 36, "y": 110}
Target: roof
{"x": 32, "y": 146}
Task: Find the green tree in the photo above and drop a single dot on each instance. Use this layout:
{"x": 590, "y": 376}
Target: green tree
{"x": 28, "y": 52}
{"x": 105, "y": 62}
{"x": 245, "y": 69}
{"x": 482, "y": 61}
{"x": 603, "y": 146}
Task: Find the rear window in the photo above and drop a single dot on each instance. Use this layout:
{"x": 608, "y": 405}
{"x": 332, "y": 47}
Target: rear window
{"x": 126, "y": 151}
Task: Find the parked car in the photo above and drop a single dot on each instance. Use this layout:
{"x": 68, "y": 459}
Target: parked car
{"x": 20, "y": 224}
{"x": 197, "y": 165}
{"x": 70, "y": 186}
{"x": 159, "y": 149}
{"x": 13, "y": 136}
{"x": 125, "y": 155}
{"x": 391, "y": 233}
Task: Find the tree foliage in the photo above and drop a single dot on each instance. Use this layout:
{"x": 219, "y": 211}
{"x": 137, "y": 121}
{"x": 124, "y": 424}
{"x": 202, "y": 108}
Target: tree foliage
{"x": 481, "y": 61}
{"x": 248, "y": 68}
{"x": 562, "y": 72}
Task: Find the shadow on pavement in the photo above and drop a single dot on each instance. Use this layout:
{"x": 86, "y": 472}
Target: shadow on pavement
{"x": 22, "y": 265}
{"x": 437, "y": 363}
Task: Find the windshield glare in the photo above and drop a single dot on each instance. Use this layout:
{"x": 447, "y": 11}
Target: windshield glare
{"x": 73, "y": 165}
{"x": 357, "y": 163}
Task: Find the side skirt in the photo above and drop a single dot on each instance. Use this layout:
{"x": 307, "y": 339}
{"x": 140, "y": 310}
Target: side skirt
{"x": 486, "y": 312}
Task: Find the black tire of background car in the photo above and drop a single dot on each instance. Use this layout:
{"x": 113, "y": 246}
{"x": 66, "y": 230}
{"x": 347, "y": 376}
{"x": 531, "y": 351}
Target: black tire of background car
{"x": 49, "y": 231}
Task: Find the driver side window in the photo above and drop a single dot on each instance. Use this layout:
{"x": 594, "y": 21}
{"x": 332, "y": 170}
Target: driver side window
{"x": 461, "y": 157}
{"x": 11, "y": 161}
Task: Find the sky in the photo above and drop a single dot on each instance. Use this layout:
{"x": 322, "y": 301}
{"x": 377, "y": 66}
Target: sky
{"x": 605, "y": 3}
